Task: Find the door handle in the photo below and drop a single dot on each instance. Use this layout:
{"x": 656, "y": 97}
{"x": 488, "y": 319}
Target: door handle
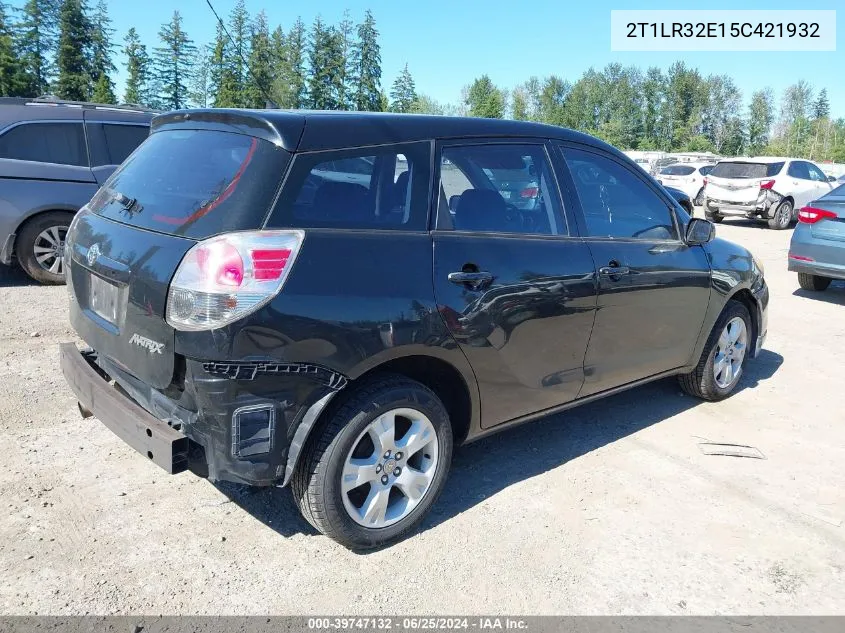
{"x": 474, "y": 280}
{"x": 613, "y": 271}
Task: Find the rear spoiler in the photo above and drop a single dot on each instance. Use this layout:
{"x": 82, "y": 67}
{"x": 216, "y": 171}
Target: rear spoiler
{"x": 249, "y": 122}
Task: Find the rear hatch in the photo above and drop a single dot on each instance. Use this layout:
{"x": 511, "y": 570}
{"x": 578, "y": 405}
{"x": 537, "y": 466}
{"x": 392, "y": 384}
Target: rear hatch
{"x": 676, "y": 175}
{"x": 180, "y": 186}
{"x": 739, "y": 182}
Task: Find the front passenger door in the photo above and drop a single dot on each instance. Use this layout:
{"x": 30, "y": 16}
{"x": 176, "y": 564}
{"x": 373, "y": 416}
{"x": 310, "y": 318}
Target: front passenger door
{"x": 653, "y": 287}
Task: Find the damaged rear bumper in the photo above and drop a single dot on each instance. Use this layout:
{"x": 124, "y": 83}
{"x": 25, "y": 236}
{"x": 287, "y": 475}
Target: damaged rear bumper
{"x": 148, "y": 435}
{"x": 765, "y": 205}
{"x": 239, "y": 422}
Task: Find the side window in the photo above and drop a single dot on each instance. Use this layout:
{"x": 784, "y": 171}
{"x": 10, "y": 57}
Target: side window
{"x": 59, "y": 143}
{"x": 798, "y": 169}
{"x": 383, "y": 187}
{"x": 498, "y": 188}
{"x": 616, "y": 202}
{"x": 121, "y": 140}
{"x": 816, "y": 173}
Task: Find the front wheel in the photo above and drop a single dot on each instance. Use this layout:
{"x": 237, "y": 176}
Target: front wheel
{"x": 783, "y": 216}
{"x": 377, "y": 465}
{"x": 813, "y": 282}
{"x": 720, "y": 366}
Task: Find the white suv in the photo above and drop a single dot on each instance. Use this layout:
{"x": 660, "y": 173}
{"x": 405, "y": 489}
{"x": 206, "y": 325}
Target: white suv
{"x": 688, "y": 177}
{"x": 764, "y": 187}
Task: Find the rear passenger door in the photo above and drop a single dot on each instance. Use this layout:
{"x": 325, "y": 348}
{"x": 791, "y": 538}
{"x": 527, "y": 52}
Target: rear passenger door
{"x": 110, "y": 143}
{"x": 653, "y": 287}
{"x": 515, "y": 289}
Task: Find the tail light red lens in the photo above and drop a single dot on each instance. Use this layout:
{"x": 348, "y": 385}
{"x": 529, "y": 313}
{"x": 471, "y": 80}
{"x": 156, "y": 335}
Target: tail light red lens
{"x": 704, "y": 181}
{"x": 811, "y": 215}
{"x": 767, "y": 184}
{"x": 227, "y": 277}
{"x": 800, "y": 258}
{"x": 529, "y": 192}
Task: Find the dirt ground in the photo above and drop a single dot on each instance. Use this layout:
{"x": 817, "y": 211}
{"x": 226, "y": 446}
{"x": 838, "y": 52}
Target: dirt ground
{"x": 611, "y": 508}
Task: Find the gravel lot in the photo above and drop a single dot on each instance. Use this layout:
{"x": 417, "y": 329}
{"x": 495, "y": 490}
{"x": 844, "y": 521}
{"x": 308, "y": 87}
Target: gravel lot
{"x": 611, "y": 508}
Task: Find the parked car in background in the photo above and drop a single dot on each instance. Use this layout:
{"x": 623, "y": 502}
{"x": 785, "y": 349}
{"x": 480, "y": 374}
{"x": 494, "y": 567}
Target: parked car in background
{"x": 54, "y": 155}
{"x": 682, "y": 198}
{"x": 765, "y": 187}
{"x": 688, "y": 177}
{"x": 817, "y": 249}
{"x": 343, "y": 345}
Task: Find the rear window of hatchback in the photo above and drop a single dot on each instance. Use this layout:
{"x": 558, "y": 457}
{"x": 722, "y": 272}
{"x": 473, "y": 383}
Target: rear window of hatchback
{"x": 741, "y": 169}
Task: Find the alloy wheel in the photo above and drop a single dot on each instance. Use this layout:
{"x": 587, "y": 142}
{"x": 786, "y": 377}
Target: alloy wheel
{"x": 390, "y": 468}
{"x": 730, "y": 352}
{"x": 49, "y": 249}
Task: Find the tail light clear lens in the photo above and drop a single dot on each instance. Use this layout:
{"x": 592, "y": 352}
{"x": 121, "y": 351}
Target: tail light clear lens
{"x": 767, "y": 184}
{"x": 222, "y": 279}
{"x": 811, "y": 215}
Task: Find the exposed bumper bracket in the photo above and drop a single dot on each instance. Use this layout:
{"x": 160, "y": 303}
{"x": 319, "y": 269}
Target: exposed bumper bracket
{"x": 148, "y": 435}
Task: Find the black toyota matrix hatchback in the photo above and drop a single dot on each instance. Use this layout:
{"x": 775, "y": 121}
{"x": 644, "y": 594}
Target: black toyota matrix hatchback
{"x": 336, "y": 299}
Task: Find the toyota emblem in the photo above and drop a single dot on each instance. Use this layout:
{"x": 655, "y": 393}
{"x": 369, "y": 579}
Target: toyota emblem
{"x": 93, "y": 254}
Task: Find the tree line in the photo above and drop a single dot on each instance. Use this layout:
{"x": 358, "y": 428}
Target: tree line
{"x": 68, "y": 48}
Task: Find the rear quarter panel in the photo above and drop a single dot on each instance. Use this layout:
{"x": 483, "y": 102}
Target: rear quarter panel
{"x": 354, "y": 300}
{"x": 22, "y": 195}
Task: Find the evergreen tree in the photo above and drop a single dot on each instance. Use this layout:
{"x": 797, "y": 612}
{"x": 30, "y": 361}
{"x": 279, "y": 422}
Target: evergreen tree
{"x": 101, "y": 55}
{"x": 13, "y": 81}
{"x": 36, "y": 43}
{"x": 484, "y": 99}
{"x": 137, "y": 68}
{"x": 199, "y": 93}
{"x": 821, "y": 106}
{"x": 346, "y": 45}
{"x": 403, "y": 94}
{"x": 74, "y": 80}
{"x": 294, "y": 69}
{"x": 519, "y": 104}
{"x": 222, "y": 79}
{"x": 366, "y": 66}
{"x": 325, "y": 85}
{"x": 173, "y": 63}
{"x": 239, "y": 52}
{"x": 280, "y": 90}
{"x": 261, "y": 64}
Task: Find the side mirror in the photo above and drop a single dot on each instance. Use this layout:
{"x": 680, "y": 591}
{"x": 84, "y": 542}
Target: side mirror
{"x": 700, "y": 231}
{"x": 453, "y": 203}
{"x": 831, "y": 178}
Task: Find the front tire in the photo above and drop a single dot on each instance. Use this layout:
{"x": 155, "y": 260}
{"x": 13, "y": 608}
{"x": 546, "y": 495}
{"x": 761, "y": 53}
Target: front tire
{"x": 783, "y": 216}
{"x": 378, "y": 463}
{"x": 40, "y": 247}
{"x": 720, "y": 367}
{"x": 712, "y": 215}
{"x": 814, "y": 283}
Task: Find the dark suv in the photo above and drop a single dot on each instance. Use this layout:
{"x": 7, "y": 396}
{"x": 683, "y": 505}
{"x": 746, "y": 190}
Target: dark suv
{"x": 266, "y": 316}
{"x": 54, "y": 155}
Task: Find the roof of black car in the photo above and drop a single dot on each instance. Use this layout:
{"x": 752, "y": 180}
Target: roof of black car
{"x": 311, "y": 130}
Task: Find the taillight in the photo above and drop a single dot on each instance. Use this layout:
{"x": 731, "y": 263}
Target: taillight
{"x": 767, "y": 184}
{"x": 224, "y": 278}
{"x": 811, "y": 215}
{"x": 529, "y": 192}
{"x": 704, "y": 180}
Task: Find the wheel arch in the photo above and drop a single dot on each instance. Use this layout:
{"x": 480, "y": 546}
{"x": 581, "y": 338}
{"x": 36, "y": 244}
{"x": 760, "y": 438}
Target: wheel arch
{"x": 746, "y": 298}
{"x": 33, "y": 216}
{"x": 458, "y": 393}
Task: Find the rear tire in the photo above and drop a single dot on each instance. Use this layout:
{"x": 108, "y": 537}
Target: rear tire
{"x": 783, "y": 216}
{"x": 699, "y": 198}
{"x": 40, "y": 245}
{"x": 814, "y": 283}
{"x": 339, "y": 453}
{"x": 703, "y": 381}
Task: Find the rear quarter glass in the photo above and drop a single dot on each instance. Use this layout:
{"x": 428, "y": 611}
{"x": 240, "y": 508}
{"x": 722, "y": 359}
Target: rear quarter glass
{"x": 194, "y": 183}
